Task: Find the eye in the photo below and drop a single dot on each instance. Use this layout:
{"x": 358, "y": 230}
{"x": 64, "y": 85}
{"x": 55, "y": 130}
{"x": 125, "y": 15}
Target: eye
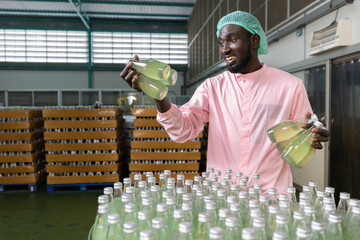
{"x": 232, "y": 40}
{"x": 221, "y": 44}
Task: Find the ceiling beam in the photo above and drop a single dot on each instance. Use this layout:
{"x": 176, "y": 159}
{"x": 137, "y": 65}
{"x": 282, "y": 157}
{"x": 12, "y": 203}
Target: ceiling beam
{"x": 81, "y": 13}
{"x": 120, "y": 2}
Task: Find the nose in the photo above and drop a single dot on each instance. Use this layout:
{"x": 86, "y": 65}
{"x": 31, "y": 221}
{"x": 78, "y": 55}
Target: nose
{"x": 224, "y": 48}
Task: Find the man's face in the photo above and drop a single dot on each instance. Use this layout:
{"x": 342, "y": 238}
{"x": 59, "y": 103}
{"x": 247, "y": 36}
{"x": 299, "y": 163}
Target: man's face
{"x": 235, "y": 47}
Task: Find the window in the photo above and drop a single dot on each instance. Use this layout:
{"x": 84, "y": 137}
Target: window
{"x": 43, "y": 46}
{"x": 118, "y": 47}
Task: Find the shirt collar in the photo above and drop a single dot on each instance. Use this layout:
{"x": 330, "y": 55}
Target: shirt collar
{"x": 252, "y": 75}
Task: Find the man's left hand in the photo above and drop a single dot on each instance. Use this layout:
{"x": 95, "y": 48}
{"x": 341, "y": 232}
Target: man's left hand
{"x": 321, "y": 134}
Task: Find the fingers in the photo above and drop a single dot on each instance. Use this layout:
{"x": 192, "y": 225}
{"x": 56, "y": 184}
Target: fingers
{"x": 317, "y": 145}
{"x": 321, "y": 132}
{"x": 126, "y": 70}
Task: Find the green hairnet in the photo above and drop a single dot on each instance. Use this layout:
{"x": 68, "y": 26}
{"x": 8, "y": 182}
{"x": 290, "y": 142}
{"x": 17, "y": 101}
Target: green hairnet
{"x": 247, "y": 21}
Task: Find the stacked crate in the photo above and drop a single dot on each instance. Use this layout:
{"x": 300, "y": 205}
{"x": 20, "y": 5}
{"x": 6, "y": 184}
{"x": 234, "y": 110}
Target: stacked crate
{"x": 83, "y": 145}
{"x": 153, "y": 151}
{"x": 21, "y": 148}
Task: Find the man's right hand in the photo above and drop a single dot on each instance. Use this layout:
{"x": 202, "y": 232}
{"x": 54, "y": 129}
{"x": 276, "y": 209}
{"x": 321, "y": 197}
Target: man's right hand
{"x": 130, "y": 75}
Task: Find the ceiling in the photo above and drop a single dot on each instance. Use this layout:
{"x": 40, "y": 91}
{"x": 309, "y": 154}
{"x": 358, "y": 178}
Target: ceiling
{"x": 154, "y": 10}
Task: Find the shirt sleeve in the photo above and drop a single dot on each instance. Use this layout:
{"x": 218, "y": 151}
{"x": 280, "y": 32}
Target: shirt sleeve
{"x": 300, "y": 105}
{"x": 188, "y": 121}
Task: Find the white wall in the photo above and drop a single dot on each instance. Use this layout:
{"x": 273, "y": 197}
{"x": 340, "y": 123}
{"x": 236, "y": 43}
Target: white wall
{"x": 43, "y": 79}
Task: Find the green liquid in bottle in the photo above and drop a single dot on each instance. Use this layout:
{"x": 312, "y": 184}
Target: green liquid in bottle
{"x": 151, "y": 87}
{"x": 171, "y": 80}
{"x": 284, "y": 131}
{"x": 152, "y": 68}
{"x": 299, "y": 151}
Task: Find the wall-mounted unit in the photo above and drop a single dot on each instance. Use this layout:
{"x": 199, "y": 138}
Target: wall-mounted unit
{"x": 334, "y": 36}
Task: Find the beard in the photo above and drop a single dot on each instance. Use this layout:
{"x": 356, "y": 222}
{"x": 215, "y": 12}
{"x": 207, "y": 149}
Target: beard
{"x": 238, "y": 68}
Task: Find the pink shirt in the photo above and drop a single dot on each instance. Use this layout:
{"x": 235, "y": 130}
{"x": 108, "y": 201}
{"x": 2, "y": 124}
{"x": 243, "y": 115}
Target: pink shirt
{"x": 240, "y": 108}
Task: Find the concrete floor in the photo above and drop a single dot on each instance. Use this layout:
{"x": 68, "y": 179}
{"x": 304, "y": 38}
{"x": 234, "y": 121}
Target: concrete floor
{"x": 41, "y": 215}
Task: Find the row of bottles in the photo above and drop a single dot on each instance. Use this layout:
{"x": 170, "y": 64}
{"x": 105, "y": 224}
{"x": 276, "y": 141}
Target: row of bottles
{"x": 210, "y": 207}
{"x": 293, "y": 141}
{"x": 154, "y": 77}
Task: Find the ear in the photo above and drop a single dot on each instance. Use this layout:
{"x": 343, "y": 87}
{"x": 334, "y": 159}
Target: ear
{"x": 255, "y": 41}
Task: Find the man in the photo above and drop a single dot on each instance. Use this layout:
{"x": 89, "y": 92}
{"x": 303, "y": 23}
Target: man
{"x": 240, "y": 105}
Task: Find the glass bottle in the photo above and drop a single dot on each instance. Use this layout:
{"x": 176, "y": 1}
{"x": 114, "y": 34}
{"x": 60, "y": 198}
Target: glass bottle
{"x": 129, "y": 229}
{"x": 180, "y": 180}
{"x": 284, "y": 130}
{"x": 285, "y": 210}
{"x": 158, "y": 228}
{"x": 137, "y": 179}
{"x": 171, "y": 204}
{"x": 155, "y": 194}
{"x": 146, "y": 234}
{"x": 227, "y": 178}
{"x": 214, "y": 189}
{"x": 108, "y": 191}
{"x": 303, "y": 233}
{"x": 151, "y": 87}
{"x": 333, "y": 230}
{"x": 237, "y": 178}
{"x": 328, "y": 209}
{"x": 253, "y": 204}
{"x": 330, "y": 191}
{"x": 234, "y": 190}
{"x": 131, "y": 190}
{"x": 313, "y": 186}
{"x": 127, "y": 183}
{"x": 197, "y": 180}
{"x": 353, "y": 202}
{"x": 174, "y": 223}
{"x": 279, "y": 236}
{"x": 230, "y": 200}
{"x": 353, "y": 229}
{"x": 319, "y": 204}
{"x": 225, "y": 185}
{"x": 343, "y": 205}
{"x": 256, "y": 179}
{"x": 232, "y": 230}
{"x": 218, "y": 174}
{"x": 101, "y": 223}
{"x": 162, "y": 184}
{"x": 221, "y": 199}
{"x": 248, "y": 234}
{"x": 291, "y": 191}
{"x": 273, "y": 200}
{"x": 243, "y": 185}
{"x": 151, "y": 182}
{"x": 216, "y": 233}
{"x": 188, "y": 185}
{"x": 282, "y": 223}
{"x": 259, "y": 227}
{"x": 162, "y": 212}
{"x": 254, "y": 213}
{"x": 179, "y": 196}
{"x": 299, "y": 220}
{"x": 299, "y": 151}
{"x": 205, "y": 176}
{"x": 185, "y": 231}
{"x": 235, "y": 211}
{"x": 253, "y": 194}
{"x": 199, "y": 201}
{"x": 102, "y": 199}
{"x": 223, "y": 214}
{"x": 116, "y": 206}
{"x": 130, "y": 213}
{"x": 210, "y": 207}
{"x": 207, "y": 187}
{"x": 244, "y": 205}
{"x": 114, "y": 231}
{"x": 147, "y": 204}
{"x": 125, "y": 199}
{"x": 151, "y": 68}
{"x": 309, "y": 215}
{"x": 203, "y": 227}
{"x": 188, "y": 212}
{"x": 210, "y": 170}
{"x": 318, "y": 230}
{"x": 144, "y": 220}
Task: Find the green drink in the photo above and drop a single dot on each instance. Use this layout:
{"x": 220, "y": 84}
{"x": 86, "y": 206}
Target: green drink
{"x": 151, "y": 87}
{"x": 152, "y": 68}
{"x": 284, "y": 131}
{"x": 171, "y": 80}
